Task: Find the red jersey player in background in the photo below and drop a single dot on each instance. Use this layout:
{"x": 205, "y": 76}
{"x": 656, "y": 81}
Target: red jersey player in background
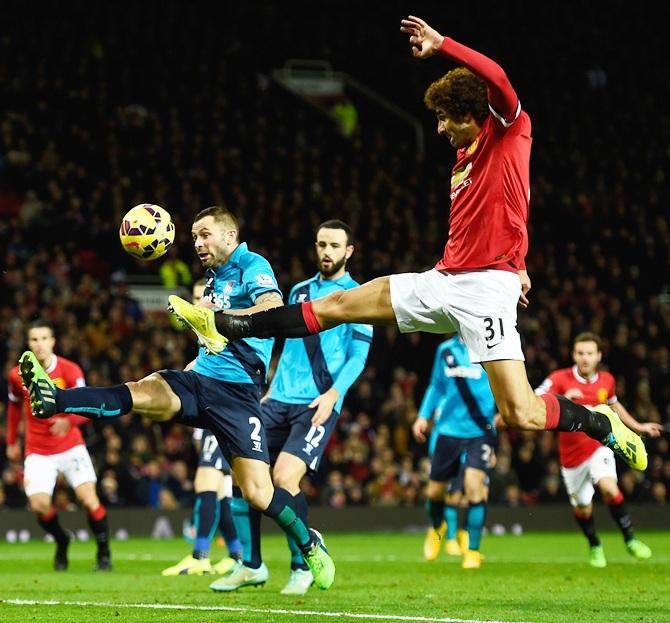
{"x": 475, "y": 288}
{"x": 52, "y": 446}
{"x": 584, "y": 461}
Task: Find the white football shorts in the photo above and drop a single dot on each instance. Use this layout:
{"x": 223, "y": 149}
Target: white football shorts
{"x": 41, "y": 470}
{"x": 579, "y": 480}
{"x": 479, "y": 305}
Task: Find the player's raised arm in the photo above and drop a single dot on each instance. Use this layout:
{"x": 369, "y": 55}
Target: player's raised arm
{"x": 426, "y": 42}
{"x": 648, "y": 429}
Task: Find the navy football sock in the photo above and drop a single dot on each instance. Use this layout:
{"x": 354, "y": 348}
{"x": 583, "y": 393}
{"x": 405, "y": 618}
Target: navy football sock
{"x": 435, "y": 510}
{"x": 255, "y": 558}
{"x": 239, "y": 508}
{"x": 301, "y": 508}
{"x": 227, "y": 529}
{"x": 206, "y": 515}
{"x": 282, "y": 510}
{"x": 95, "y": 402}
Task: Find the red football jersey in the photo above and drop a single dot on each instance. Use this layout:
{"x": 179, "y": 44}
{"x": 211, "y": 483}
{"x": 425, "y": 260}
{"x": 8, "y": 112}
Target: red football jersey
{"x": 490, "y": 192}
{"x": 575, "y": 448}
{"x": 38, "y": 437}
{"x": 490, "y": 185}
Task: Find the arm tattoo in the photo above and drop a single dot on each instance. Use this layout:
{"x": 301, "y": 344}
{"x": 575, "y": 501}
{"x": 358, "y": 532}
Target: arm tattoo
{"x": 269, "y": 297}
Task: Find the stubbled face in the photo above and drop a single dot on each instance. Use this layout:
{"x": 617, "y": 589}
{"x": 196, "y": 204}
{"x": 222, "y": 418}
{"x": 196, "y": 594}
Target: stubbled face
{"x": 332, "y": 251}
{"x": 213, "y": 241}
{"x": 587, "y": 357}
{"x": 198, "y": 292}
{"x": 42, "y": 341}
{"x": 460, "y": 133}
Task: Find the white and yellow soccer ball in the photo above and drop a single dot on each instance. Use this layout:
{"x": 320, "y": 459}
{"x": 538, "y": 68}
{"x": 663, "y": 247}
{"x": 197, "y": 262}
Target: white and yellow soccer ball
{"x": 146, "y": 231}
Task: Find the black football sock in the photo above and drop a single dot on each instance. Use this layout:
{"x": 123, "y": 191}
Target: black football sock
{"x": 97, "y": 521}
{"x": 576, "y": 418}
{"x": 588, "y": 527}
{"x": 51, "y": 525}
{"x": 285, "y": 321}
{"x": 619, "y": 512}
{"x": 435, "y": 510}
{"x": 95, "y": 402}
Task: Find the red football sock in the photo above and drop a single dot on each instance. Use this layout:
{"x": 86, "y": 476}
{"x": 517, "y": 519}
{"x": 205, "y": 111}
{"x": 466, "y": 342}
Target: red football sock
{"x": 310, "y": 318}
{"x": 553, "y": 411}
{"x": 98, "y": 514}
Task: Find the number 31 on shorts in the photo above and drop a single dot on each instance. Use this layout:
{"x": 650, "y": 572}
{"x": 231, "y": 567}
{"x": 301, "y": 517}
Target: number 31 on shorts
{"x": 493, "y": 327}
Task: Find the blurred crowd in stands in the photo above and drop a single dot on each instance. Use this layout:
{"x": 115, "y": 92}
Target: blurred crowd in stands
{"x": 106, "y": 106}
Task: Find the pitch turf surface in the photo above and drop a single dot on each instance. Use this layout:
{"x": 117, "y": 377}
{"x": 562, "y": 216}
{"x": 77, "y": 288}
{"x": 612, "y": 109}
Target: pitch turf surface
{"x": 380, "y": 577}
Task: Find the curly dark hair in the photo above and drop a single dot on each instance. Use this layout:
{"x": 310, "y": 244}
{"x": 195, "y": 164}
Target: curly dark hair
{"x": 458, "y": 93}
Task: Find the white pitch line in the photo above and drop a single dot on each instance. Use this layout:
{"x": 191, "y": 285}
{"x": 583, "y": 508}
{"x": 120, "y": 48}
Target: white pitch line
{"x": 312, "y": 613}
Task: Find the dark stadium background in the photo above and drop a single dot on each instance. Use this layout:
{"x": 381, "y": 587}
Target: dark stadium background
{"x": 106, "y": 105}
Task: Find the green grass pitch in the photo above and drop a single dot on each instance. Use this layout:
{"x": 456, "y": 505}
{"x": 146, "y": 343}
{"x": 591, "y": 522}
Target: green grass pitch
{"x": 534, "y": 578}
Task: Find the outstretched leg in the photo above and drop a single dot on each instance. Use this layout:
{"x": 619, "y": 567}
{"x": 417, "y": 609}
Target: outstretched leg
{"x": 521, "y": 408}
{"x": 369, "y": 303}
{"x": 151, "y": 397}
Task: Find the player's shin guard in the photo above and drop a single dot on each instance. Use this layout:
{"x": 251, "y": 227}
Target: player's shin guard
{"x": 287, "y": 321}
{"x": 435, "y": 510}
{"x": 51, "y": 525}
{"x": 227, "y": 529}
{"x": 282, "y": 510}
{"x": 206, "y": 520}
{"x": 240, "y": 510}
{"x": 565, "y": 415}
{"x": 588, "y": 527}
{"x": 451, "y": 517}
{"x": 619, "y": 512}
{"x": 95, "y": 402}
{"x": 97, "y": 521}
{"x": 475, "y": 524}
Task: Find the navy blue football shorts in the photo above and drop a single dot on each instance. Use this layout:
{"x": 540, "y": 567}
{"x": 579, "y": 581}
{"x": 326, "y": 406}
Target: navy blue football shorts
{"x": 231, "y": 411}
{"x": 289, "y": 429}
{"x": 453, "y": 454}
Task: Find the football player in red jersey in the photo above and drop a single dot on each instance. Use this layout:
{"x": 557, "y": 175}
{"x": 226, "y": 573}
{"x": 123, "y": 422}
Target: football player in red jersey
{"x": 52, "y": 446}
{"x": 475, "y": 287}
{"x": 584, "y": 461}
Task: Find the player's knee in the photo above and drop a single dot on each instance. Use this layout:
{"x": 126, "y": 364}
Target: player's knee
{"x": 515, "y": 415}
{"x": 583, "y": 512}
{"x": 475, "y": 494}
{"x": 40, "y": 506}
{"x": 609, "y": 494}
{"x": 281, "y": 479}
{"x": 151, "y": 400}
{"x": 88, "y": 500}
{"x": 435, "y": 491}
{"x": 257, "y": 494}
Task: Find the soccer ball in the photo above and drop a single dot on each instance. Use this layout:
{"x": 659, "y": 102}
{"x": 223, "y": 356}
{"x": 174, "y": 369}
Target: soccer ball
{"x": 146, "y": 231}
